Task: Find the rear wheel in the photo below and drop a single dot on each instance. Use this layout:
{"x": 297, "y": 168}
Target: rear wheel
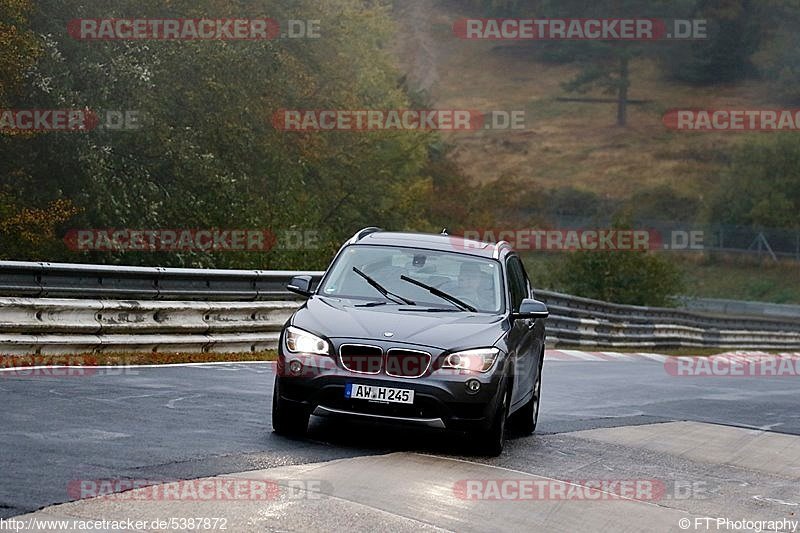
{"x": 524, "y": 420}
{"x": 490, "y": 442}
{"x": 287, "y": 419}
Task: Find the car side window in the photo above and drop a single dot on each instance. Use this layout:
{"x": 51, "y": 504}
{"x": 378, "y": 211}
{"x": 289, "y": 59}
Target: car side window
{"x": 516, "y": 282}
{"x": 528, "y": 285}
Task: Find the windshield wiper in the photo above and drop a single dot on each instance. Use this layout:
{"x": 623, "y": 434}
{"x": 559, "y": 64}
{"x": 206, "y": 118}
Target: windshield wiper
{"x": 373, "y": 304}
{"x": 441, "y": 294}
{"x": 383, "y": 290}
{"x": 432, "y": 309}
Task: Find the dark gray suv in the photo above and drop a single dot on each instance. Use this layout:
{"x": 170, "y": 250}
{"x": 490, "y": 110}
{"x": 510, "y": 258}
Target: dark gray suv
{"x": 406, "y": 328}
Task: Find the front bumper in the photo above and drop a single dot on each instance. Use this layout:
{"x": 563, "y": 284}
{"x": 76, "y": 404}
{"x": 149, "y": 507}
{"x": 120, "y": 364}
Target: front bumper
{"x": 438, "y": 423}
{"x": 441, "y": 399}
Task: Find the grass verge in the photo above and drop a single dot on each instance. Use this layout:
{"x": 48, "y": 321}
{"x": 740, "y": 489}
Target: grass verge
{"x": 132, "y": 359}
{"x": 674, "y": 352}
{"x": 137, "y": 359}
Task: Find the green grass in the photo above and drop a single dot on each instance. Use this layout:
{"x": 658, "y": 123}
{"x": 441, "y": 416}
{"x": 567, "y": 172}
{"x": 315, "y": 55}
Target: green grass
{"x": 132, "y": 359}
{"x": 673, "y": 352}
{"x": 738, "y": 280}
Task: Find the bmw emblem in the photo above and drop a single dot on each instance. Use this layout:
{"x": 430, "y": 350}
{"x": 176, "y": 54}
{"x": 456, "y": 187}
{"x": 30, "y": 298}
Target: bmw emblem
{"x": 388, "y": 334}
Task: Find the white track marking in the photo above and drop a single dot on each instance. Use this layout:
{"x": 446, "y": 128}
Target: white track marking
{"x": 171, "y": 404}
{"x": 582, "y": 355}
{"x": 653, "y": 356}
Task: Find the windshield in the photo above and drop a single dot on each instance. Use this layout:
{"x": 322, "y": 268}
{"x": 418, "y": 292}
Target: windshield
{"x": 473, "y": 280}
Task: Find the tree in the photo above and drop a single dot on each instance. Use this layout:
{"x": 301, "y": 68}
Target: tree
{"x": 607, "y": 68}
{"x": 207, "y": 155}
{"x": 761, "y": 186}
{"x": 626, "y": 277}
{"x": 779, "y": 55}
{"x": 27, "y": 233}
{"x": 27, "y": 230}
{"x": 19, "y": 47}
{"x": 735, "y": 31}
{"x": 606, "y": 65}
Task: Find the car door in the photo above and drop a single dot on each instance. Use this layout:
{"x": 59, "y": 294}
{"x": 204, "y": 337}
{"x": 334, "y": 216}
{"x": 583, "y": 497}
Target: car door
{"x": 520, "y": 338}
{"x": 537, "y": 327}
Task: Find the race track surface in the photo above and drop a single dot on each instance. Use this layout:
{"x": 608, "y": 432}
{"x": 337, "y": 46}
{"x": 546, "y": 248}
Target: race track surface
{"x": 697, "y": 447}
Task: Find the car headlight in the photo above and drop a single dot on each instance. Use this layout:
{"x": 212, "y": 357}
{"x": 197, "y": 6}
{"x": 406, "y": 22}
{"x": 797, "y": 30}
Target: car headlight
{"x": 478, "y": 360}
{"x": 300, "y": 341}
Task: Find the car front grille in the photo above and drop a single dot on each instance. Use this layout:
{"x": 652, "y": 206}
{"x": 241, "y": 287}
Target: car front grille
{"x": 403, "y": 363}
{"x": 361, "y": 358}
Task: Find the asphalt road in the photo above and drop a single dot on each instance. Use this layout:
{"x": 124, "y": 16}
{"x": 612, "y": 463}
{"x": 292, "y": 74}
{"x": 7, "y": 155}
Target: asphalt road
{"x": 596, "y": 422}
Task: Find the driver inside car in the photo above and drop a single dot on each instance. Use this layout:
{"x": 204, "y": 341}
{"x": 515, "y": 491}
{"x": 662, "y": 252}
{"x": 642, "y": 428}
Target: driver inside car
{"x": 472, "y": 286}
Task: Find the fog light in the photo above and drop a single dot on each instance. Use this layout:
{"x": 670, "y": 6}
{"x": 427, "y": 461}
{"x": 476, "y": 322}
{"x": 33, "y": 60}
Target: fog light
{"x": 295, "y": 366}
{"x": 473, "y": 386}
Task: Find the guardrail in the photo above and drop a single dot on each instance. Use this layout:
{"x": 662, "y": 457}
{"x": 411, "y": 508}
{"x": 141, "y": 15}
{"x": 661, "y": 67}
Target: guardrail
{"x": 63, "y": 308}
{"x": 739, "y": 307}
{"x": 67, "y": 280}
{"x": 584, "y": 322}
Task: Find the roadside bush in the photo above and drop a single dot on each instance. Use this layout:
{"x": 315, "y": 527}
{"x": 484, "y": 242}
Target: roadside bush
{"x": 636, "y": 278}
{"x": 761, "y": 186}
{"x": 662, "y": 203}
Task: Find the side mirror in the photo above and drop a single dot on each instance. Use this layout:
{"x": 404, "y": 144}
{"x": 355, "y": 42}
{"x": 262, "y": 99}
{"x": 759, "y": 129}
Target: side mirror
{"x": 531, "y": 309}
{"x": 300, "y": 285}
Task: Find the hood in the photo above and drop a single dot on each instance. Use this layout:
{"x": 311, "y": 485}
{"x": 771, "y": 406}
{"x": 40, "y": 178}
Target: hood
{"x": 339, "y": 318}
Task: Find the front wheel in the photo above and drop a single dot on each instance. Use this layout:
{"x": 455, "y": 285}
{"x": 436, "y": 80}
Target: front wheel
{"x": 287, "y": 419}
{"x": 524, "y": 420}
{"x": 490, "y": 442}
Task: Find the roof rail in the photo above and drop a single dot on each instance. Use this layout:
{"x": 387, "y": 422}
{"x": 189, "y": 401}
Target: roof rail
{"x": 498, "y": 247}
{"x": 360, "y": 234}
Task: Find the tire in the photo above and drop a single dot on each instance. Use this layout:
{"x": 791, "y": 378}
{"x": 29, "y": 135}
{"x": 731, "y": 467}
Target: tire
{"x": 288, "y": 419}
{"x": 524, "y": 421}
{"x": 490, "y": 442}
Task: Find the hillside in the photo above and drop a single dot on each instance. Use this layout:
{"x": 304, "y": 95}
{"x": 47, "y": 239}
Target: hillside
{"x": 565, "y": 143}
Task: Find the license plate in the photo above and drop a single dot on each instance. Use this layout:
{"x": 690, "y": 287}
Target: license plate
{"x": 357, "y": 391}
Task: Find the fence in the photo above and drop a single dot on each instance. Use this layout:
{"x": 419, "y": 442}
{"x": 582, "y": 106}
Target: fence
{"x": 754, "y": 242}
